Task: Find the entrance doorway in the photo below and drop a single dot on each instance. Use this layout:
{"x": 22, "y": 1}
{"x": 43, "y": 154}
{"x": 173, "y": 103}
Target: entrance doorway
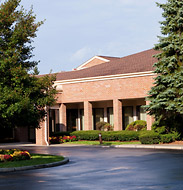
{"x": 72, "y": 116}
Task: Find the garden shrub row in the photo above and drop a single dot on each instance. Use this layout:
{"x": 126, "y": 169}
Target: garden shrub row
{"x": 151, "y": 137}
{"x": 107, "y": 135}
{"x": 145, "y": 137}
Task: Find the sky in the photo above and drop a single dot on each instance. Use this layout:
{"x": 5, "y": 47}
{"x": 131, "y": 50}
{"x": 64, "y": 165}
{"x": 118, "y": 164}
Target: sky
{"x": 76, "y": 30}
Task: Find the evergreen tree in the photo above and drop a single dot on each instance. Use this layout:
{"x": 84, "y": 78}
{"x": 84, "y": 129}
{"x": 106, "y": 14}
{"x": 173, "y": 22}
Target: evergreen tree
{"x": 23, "y": 95}
{"x": 166, "y": 96}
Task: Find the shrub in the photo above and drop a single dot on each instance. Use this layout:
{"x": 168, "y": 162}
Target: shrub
{"x": 100, "y": 125}
{"x": 56, "y": 140}
{"x": 149, "y": 137}
{"x": 160, "y": 130}
{"x": 69, "y": 138}
{"x": 168, "y": 138}
{"x": 137, "y": 126}
{"x": 108, "y": 127}
{"x": 107, "y": 135}
{"x": 86, "y": 135}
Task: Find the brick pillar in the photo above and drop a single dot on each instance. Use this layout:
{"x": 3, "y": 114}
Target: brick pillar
{"x": 43, "y": 131}
{"x": 149, "y": 119}
{"x": 117, "y": 110}
{"x": 62, "y": 117}
{"x": 88, "y": 115}
{"x": 40, "y": 134}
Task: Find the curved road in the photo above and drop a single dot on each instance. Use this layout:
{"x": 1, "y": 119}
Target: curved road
{"x": 97, "y": 168}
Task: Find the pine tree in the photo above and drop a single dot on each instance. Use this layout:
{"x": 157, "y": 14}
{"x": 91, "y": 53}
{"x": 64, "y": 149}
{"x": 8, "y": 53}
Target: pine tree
{"x": 23, "y": 95}
{"x": 166, "y": 96}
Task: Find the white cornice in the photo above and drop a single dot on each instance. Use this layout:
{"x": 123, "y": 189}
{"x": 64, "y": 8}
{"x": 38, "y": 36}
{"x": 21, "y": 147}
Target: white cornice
{"x": 108, "y": 77}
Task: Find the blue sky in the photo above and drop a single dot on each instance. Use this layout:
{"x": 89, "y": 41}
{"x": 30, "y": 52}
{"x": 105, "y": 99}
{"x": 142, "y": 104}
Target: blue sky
{"x": 76, "y": 30}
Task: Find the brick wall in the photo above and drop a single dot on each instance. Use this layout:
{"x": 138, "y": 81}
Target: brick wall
{"x": 127, "y": 88}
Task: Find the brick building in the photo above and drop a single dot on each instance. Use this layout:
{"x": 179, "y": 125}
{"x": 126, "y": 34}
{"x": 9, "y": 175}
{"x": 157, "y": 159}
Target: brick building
{"x": 109, "y": 89}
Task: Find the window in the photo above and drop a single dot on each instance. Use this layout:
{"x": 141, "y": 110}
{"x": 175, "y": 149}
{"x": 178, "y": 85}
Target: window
{"x": 110, "y": 117}
{"x": 127, "y": 115}
{"x": 141, "y": 113}
{"x": 98, "y": 116}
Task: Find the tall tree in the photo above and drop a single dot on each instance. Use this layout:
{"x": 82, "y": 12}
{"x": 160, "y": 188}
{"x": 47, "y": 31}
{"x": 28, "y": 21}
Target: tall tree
{"x": 23, "y": 95}
{"x": 166, "y": 96}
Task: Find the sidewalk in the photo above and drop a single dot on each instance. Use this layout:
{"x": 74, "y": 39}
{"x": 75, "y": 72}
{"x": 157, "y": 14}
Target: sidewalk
{"x": 155, "y": 146}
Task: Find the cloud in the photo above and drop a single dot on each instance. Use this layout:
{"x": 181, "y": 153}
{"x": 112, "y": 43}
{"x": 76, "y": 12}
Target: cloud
{"x": 81, "y": 54}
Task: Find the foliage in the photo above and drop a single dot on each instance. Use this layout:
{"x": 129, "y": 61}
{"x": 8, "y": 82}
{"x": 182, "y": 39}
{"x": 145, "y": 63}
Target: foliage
{"x": 36, "y": 159}
{"x": 137, "y": 126}
{"x": 167, "y": 138}
{"x": 23, "y": 95}
{"x": 104, "y": 143}
{"x": 69, "y": 138}
{"x": 108, "y": 127}
{"x": 107, "y": 135}
{"x": 104, "y": 126}
{"x": 60, "y": 139}
{"x": 14, "y": 155}
{"x": 159, "y": 129}
{"x": 56, "y": 140}
{"x": 166, "y": 96}
{"x": 86, "y": 135}
{"x": 149, "y": 137}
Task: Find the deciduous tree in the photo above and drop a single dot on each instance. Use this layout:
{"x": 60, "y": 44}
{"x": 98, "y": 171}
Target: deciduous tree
{"x": 23, "y": 95}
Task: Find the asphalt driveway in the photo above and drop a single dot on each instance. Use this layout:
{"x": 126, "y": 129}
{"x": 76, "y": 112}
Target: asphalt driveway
{"x": 96, "y": 168}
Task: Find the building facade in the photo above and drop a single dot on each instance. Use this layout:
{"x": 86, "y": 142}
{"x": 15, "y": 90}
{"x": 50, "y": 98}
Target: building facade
{"x": 104, "y": 88}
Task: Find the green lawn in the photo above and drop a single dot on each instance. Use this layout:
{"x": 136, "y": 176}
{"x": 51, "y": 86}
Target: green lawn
{"x": 36, "y": 159}
{"x": 105, "y": 143}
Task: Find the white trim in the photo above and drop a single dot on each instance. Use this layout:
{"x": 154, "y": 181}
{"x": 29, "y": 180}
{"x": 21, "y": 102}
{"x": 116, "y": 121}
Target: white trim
{"x": 101, "y": 78}
{"x": 46, "y": 133}
{"x": 95, "y": 57}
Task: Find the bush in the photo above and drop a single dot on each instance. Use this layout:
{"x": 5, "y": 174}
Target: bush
{"x": 160, "y": 130}
{"x": 168, "y": 138}
{"x": 107, "y": 135}
{"x": 56, "y": 139}
{"x": 149, "y": 137}
{"x": 86, "y": 135}
{"x": 137, "y": 126}
{"x": 100, "y": 125}
{"x": 108, "y": 127}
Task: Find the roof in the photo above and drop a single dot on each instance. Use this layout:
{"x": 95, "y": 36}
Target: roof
{"x": 109, "y": 58}
{"x": 139, "y": 62}
{"x": 100, "y": 59}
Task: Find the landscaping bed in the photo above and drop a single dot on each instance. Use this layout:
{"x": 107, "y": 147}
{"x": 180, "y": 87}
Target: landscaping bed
{"x": 144, "y": 136}
{"x": 17, "y": 158}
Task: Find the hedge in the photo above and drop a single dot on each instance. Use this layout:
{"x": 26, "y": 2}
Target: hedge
{"x": 171, "y": 137}
{"x": 150, "y": 137}
{"x": 107, "y": 135}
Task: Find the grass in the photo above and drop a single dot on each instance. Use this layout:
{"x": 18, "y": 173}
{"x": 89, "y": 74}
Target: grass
{"x": 36, "y": 159}
{"x": 105, "y": 143}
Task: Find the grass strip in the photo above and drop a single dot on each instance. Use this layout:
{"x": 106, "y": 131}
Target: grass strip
{"x": 105, "y": 143}
{"x": 36, "y": 159}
